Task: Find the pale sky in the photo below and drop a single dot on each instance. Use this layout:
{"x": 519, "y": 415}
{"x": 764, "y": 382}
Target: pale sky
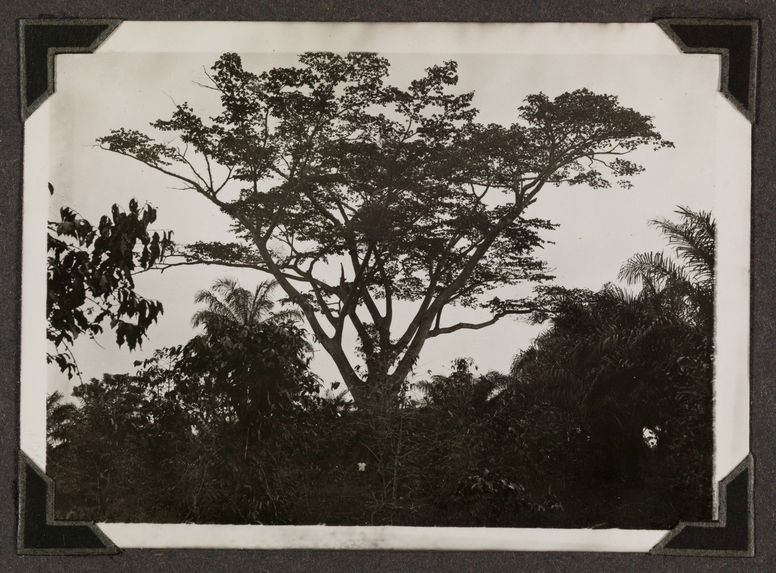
{"x": 599, "y": 229}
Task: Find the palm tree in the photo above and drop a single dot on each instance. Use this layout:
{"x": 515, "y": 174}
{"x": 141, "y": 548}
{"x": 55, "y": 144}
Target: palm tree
{"x": 60, "y": 417}
{"x": 228, "y": 303}
{"x": 236, "y": 350}
{"x": 687, "y": 279}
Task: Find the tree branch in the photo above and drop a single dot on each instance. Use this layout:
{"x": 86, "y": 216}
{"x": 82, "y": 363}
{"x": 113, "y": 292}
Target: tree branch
{"x": 474, "y": 325}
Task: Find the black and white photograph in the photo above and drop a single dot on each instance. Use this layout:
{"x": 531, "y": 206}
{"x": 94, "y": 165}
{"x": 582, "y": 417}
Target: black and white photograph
{"x": 438, "y": 286}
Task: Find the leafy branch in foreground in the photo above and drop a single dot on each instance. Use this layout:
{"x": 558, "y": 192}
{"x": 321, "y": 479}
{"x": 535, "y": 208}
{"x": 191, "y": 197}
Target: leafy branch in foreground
{"x": 90, "y": 278}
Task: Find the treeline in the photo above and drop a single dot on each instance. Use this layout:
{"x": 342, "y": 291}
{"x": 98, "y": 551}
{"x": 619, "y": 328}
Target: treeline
{"x": 604, "y": 421}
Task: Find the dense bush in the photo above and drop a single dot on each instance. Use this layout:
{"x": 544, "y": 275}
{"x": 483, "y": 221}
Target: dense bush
{"x": 604, "y": 421}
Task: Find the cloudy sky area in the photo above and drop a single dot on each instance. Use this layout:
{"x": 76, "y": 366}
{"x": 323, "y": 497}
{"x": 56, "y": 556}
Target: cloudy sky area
{"x": 599, "y": 229}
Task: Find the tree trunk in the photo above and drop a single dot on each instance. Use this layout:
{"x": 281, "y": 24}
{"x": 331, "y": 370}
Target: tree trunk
{"x": 382, "y": 390}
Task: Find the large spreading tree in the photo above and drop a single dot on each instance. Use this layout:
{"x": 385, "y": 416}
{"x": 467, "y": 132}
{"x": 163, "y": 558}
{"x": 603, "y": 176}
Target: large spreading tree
{"x": 355, "y": 194}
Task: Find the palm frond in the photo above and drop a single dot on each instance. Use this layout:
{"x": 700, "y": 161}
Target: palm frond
{"x": 238, "y": 300}
{"x": 207, "y": 318}
{"x": 227, "y": 301}
{"x": 655, "y": 268}
{"x": 286, "y": 315}
{"x": 693, "y": 239}
{"x": 619, "y": 295}
{"x": 261, "y": 302}
{"x": 214, "y": 307}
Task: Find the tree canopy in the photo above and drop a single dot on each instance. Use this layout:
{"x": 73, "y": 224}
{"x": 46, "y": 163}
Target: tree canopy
{"x": 355, "y": 194}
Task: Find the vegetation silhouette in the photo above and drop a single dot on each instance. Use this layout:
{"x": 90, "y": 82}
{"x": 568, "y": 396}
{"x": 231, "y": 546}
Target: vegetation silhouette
{"x": 90, "y": 278}
{"x": 604, "y": 421}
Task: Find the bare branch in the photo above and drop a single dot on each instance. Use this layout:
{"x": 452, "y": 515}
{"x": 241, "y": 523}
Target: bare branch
{"x": 474, "y": 325}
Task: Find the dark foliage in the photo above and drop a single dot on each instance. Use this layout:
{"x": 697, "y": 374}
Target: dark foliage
{"x": 604, "y": 421}
{"x": 191, "y": 434}
{"x": 90, "y": 278}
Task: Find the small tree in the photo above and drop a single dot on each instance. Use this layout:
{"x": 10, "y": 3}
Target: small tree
{"x": 355, "y": 194}
{"x": 250, "y": 354}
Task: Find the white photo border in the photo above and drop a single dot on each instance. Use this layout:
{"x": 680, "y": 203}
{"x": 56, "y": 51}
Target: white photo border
{"x": 733, "y": 143}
